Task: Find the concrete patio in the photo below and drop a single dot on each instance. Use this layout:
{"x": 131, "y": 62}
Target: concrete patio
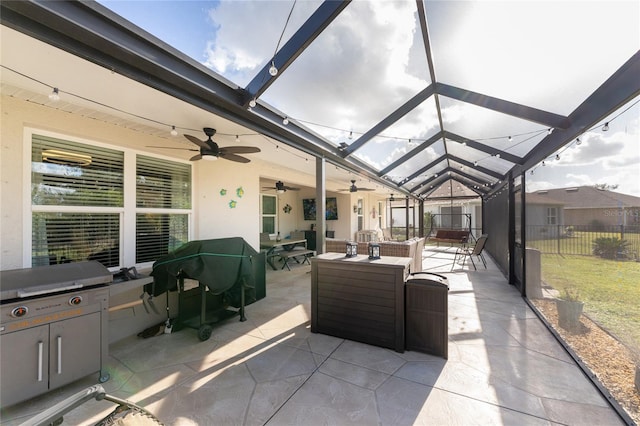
{"x": 504, "y": 367}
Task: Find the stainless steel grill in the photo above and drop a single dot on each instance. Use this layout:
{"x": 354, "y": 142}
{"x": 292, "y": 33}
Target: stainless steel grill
{"x": 53, "y": 327}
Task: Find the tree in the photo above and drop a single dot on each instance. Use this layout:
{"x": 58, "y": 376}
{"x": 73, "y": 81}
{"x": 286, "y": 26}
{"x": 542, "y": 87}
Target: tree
{"x": 605, "y": 186}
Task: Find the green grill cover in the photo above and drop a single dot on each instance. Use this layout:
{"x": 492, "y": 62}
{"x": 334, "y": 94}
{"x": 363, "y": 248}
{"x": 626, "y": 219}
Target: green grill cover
{"x": 224, "y": 265}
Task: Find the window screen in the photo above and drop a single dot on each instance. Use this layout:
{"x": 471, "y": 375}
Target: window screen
{"x": 164, "y": 187}
{"x": 74, "y": 237}
{"x": 269, "y": 214}
{"x": 65, "y": 173}
{"x": 158, "y": 234}
{"x": 162, "y": 184}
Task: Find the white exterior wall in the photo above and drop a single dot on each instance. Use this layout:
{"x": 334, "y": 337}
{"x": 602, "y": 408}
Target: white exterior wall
{"x": 212, "y": 218}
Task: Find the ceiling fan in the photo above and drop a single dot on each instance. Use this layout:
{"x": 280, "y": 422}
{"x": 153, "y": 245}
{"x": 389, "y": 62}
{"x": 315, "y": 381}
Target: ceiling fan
{"x": 354, "y": 188}
{"x": 281, "y": 187}
{"x": 209, "y": 150}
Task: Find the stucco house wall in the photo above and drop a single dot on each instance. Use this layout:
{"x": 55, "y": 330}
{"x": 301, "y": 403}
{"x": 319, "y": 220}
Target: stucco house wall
{"x": 604, "y": 216}
{"x": 212, "y": 217}
{"x": 537, "y": 226}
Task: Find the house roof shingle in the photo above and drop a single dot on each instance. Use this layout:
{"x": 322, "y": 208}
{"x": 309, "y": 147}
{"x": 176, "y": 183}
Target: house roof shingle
{"x": 588, "y": 197}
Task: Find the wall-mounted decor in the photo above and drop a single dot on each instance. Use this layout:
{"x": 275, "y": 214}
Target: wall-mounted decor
{"x": 240, "y": 192}
{"x": 309, "y": 208}
{"x": 233, "y": 204}
{"x": 223, "y": 192}
{"x": 287, "y": 209}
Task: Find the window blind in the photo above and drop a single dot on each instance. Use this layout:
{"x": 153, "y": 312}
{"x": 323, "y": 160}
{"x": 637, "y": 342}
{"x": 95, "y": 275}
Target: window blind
{"x": 74, "y": 237}
{"x": 158, "y": 234}
{"x": 67, "y": 173}
{"x": 162, "y": 184}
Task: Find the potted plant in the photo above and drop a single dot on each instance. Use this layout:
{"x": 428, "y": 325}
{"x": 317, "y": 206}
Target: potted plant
{"x": 569, "y": 308}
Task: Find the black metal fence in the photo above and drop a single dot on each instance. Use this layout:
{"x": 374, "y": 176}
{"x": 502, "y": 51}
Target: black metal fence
{"x": 580, "y": 239}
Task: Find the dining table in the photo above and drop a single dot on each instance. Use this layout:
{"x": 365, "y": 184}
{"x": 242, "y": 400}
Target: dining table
{"x": 272, "y": 247}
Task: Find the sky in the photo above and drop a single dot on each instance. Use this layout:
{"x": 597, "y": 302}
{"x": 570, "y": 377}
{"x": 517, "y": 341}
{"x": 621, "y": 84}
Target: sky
{"x": 546, "y": 54}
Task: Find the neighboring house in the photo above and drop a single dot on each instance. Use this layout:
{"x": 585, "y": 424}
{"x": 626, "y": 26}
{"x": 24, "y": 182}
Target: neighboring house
{"x": 545, "y": 217}
{"x": 590, "y": 206}
{"x": 453, "y": 204}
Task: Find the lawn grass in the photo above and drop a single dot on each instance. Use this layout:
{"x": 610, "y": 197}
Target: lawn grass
{"x": 610, "y": 290}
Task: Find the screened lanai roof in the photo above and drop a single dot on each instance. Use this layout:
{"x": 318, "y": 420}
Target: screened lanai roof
{"x": 412, "y": 94}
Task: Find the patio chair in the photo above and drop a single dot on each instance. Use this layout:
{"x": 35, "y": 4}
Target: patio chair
{"x": 386, "y": 235}
{"x": 469, "y": 252}
{"x": 264, "y": 236}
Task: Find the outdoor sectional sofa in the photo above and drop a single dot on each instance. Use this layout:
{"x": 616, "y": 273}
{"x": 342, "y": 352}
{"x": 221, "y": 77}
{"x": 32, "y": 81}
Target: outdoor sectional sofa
{"x": 411, "y": 248}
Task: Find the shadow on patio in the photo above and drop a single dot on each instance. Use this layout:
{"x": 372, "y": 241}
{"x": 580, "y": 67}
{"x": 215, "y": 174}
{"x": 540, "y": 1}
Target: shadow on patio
{"x": 504, "y": 367}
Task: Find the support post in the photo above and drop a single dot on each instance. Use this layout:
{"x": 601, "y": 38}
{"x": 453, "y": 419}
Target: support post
{"x": 321, "y": 205}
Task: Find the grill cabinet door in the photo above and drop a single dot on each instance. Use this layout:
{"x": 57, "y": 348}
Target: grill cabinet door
{"x": 24, "y": 358}
{"x": 75, "y": 348}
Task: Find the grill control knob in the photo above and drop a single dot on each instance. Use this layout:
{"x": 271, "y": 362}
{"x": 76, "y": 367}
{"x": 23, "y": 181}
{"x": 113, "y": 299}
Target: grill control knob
{"x": 19, "y": 311}
{"x": 75, "y": 300}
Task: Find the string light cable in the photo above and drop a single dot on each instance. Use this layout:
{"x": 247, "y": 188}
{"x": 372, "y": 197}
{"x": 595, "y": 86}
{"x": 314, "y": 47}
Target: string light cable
{"x": 350, "y": 132}
{"x": 601, "y": 126}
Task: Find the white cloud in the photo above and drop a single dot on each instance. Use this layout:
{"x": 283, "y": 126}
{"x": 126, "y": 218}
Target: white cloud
{"x": 245, "y": 35}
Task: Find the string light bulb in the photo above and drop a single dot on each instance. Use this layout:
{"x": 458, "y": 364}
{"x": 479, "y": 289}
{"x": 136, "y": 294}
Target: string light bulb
{"x": 605, "y": 127}
{"x": 237, "y": 138}
{"x": 252, "y": 103}
{"x": 475, "y": 163}
{"x": 54, "y": 95}
{"x": 285, "y": 121}
{"x": 173, "y": 132}
{"x": 273, "y": 70}
{"x": 543, "y": 164}
{"x": 550, "y": 130}
{"x": 578, "y": 141}
{"x": 351, "y": 134}
{"x": 557, "y": 157}
{"x": 510, "y": 139}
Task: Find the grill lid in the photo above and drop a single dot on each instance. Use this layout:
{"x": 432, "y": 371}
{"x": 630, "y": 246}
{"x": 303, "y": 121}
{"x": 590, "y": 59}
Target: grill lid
{"x": 28, "y": 282}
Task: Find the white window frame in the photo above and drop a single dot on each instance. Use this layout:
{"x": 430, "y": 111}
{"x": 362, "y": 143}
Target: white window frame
{"x": 552, "y": 216}
{"x": 127, "y": 212}
{"x": 275, "y": 215}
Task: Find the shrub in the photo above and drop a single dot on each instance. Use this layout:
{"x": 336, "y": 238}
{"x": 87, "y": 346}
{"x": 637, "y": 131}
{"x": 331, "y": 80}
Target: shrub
{"x": 570, "y": 294}
{"x": 596, "y": 225}
{"x": 609, "y": 247}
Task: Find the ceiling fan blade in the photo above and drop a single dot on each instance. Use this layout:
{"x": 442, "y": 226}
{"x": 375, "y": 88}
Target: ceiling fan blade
{"x": 234, "y": 157}
{"x": 239, "y": 150}
{"x": 169, "y": 147}
{"x": 195, "y": 157}
{"x": 197, "y": 141}
{"x": 357, "y": 190}
{"x": 288, "y": 188}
